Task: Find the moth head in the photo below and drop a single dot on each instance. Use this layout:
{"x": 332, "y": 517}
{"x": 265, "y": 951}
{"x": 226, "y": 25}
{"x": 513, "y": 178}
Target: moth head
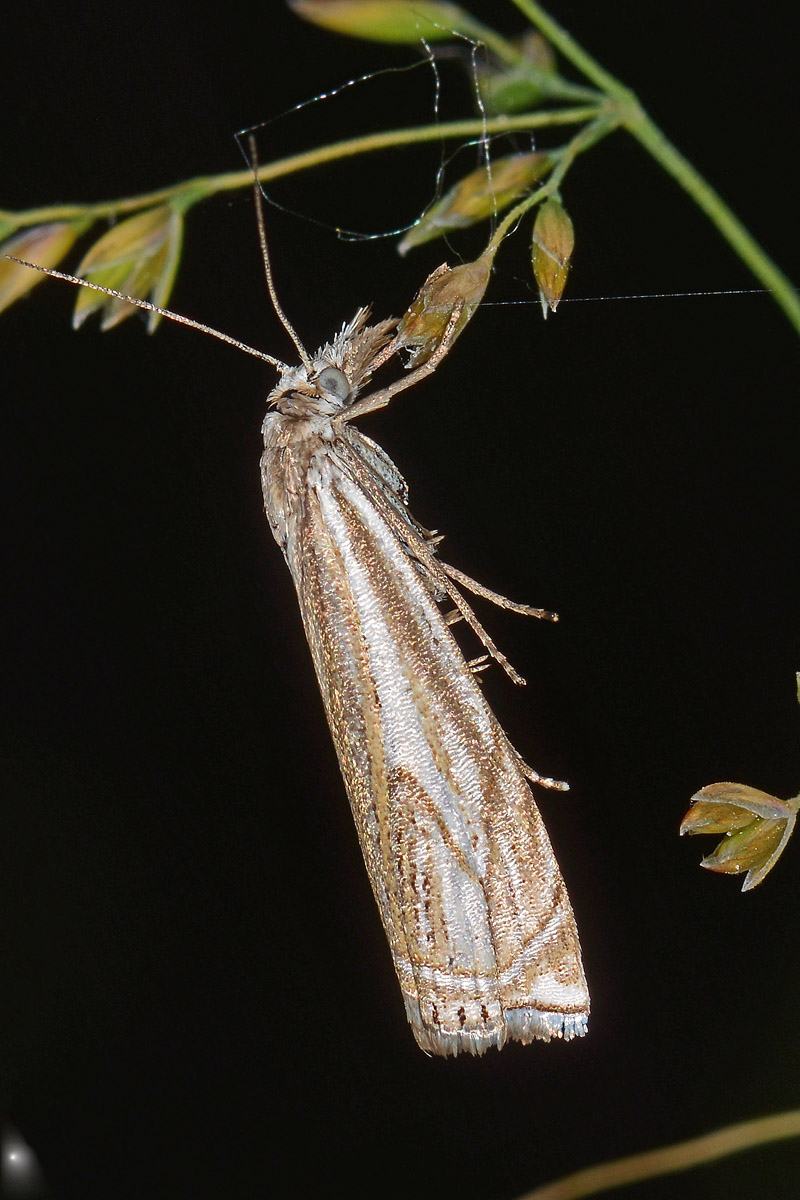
{"x": 333, "y": 378}
{"x": 319, "y": 390}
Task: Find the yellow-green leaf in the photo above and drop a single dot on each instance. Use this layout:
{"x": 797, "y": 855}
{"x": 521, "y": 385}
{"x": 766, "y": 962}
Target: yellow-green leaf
{"x": 756, "y": 826}
{"x": 138, "y": 257}
{"x": 425, "y": 323}
{"x": 42, "y": 244}
{"x": 524, "y": 85}
{"x": 387, "y": 20}
{"x": 551, "y": 251}
{"x": 481, "y": 194}
{"x": 725, "y": 807}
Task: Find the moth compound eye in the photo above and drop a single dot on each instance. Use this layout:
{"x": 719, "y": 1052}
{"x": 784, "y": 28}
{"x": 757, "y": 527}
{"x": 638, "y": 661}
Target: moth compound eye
{"x": 335, "y": 382}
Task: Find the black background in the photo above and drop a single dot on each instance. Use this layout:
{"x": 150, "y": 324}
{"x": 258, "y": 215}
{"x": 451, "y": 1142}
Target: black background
{"x": 198, "y": 995}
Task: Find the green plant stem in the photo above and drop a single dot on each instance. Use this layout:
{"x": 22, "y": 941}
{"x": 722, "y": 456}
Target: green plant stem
{"x": 634, "y": 118}
{"x": 192, "y": 190}
{"x": 604, "y": 124}
{"x": 666, "y": 1160}
{"x": 764, "y": 268}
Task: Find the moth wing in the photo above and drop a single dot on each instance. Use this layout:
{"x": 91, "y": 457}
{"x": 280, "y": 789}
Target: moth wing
{"x": 468, "y": 888}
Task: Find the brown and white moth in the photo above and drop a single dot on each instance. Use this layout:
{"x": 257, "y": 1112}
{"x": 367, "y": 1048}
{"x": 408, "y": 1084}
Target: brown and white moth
{"x": 471, "y": 897}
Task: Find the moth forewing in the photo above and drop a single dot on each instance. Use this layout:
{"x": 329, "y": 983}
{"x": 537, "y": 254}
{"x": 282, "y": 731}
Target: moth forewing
{"x": 469, "y": 891}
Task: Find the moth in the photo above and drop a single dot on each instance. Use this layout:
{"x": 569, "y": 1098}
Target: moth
{"x": 471, "y": 898}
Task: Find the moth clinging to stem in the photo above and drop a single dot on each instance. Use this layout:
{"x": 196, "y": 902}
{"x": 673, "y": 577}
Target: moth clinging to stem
{"x": 472, "y": 901}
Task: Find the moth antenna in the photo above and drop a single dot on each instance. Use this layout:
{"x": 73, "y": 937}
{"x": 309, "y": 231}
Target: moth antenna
{"x": 145, "y": 304}
{"x": 305, "y": 357}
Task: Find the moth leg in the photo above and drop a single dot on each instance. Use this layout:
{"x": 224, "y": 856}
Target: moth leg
{"x": 418, "y": 546}
{"x": 478, "y": 589}
{"x": 439, "y": 579}
{"x": 382, "y": 397}
{"x": 481, "y": 663}
{"x": 557, "y": 785}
